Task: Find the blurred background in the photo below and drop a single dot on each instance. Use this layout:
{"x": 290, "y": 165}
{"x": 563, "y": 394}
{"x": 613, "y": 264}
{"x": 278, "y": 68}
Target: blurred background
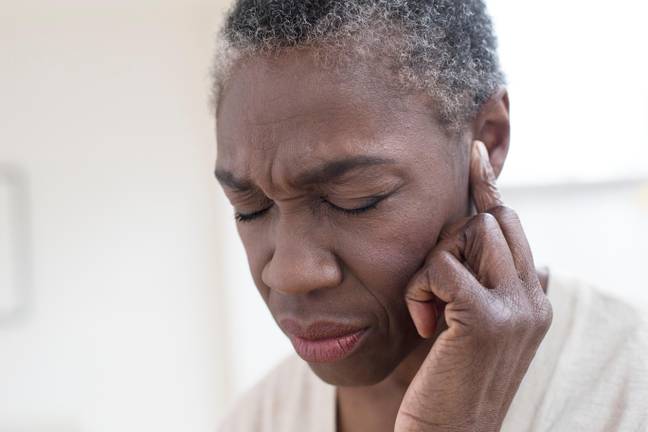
{"x": 122, "y": 280}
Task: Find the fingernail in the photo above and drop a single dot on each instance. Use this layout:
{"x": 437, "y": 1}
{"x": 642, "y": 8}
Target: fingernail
{"x": 483, "y": 151}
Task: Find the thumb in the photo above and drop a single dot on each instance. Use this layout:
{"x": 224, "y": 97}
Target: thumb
{"x": 483, "y": 181}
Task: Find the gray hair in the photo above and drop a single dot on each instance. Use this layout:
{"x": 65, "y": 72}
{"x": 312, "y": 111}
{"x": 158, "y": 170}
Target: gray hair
{"x": 444, "y": 48}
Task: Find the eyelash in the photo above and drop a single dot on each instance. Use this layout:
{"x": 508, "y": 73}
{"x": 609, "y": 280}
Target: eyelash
{"x": 352, "y": 212}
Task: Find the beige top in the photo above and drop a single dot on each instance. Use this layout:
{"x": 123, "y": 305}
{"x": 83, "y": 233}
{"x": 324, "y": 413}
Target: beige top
{"x": 589, "y": 374}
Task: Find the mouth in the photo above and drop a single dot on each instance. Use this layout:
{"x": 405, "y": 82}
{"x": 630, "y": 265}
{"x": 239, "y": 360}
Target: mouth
{"x": 323, "y": 341}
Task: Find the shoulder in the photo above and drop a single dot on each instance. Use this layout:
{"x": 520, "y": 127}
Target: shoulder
{"x": 271, "y": 404}
{"x": 602, "y": 367}
{"x": 596, "y": 322}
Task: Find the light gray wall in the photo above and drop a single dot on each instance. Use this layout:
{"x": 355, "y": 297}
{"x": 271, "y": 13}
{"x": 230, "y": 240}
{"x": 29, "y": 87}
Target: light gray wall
{"x": 103, "y": 114}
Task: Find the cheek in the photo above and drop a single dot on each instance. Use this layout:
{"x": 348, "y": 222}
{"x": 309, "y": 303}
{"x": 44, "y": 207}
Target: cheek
{"x": 258, "y": 254}
{"x": 385, "y": 256}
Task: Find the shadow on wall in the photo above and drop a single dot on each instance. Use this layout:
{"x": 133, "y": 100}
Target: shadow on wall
{"x": 15, "y": 246}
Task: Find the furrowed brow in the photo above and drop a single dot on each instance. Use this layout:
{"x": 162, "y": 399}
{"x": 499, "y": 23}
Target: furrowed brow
{"x": 322, "y": 174}
{"x": 338, "y": 167}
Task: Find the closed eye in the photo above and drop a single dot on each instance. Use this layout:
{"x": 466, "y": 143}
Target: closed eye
{"x": 241, "y": 217}
{"x": 354, "y": 211}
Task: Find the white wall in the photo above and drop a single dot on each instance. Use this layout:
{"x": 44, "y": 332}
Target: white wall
{"x": 579, "y": 96}
{"x": 103, "y": 114}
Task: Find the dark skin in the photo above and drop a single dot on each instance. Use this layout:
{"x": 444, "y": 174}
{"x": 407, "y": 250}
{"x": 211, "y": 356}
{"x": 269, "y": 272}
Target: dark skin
{"x": 413, "y": 259}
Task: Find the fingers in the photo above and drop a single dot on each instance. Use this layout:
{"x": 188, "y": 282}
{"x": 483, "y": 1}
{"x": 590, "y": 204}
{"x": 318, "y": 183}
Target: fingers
{"x": 475, "y": 259}
{"x": 486, "y": 252}
{"x": 488, "y": 199}
{"x": 483, "y": 185}
{"x": 442, "y": 280}
{"x": 452, "y": 229}
{"x": 482, "y": 246}
{"x": 425, "y": 314}
{"x": 511, "y": 227}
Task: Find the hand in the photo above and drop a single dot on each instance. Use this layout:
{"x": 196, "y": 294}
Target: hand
{"x": 481, "y": 278}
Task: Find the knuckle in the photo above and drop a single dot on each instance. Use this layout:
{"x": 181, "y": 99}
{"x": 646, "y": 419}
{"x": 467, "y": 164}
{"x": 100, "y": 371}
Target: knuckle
{"x": 502, "y": 212}
{"x": 500, "y": 316}
{"x": 417, "y": 289}
{"x": 482, "y": 222}
{"x": 545, "y": 314}
{"x": 486, "y": 219}
{"x": 540, "y": 320}
{"x": 435, "y": 260}
{"x": 513, "y": 317}
{"x": 521, "y": 321}
{"x": 524, "y": 324}
{"x": 428, "y": 277}
{"x": 516, "y": 318}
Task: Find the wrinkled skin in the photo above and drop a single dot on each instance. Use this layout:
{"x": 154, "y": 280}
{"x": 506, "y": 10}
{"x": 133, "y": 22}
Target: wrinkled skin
{"x": 481, "y": 278}
{"x": 310, "y": 260}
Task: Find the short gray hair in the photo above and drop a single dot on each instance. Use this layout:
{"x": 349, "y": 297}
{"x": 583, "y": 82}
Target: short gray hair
{"x": 444, "y": 48}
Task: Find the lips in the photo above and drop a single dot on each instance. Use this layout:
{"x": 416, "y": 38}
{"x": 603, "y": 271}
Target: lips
{"x": 323, "y": 341}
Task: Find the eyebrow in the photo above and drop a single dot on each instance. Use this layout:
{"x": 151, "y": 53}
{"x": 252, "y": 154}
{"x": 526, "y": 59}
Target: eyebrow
{"x": 322, "y": 174}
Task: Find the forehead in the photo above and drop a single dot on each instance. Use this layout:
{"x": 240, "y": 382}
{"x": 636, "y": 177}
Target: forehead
{"x": 292, "y": 113}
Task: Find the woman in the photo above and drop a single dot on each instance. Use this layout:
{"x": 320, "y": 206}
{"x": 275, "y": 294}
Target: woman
{"x": 359, "y": 143}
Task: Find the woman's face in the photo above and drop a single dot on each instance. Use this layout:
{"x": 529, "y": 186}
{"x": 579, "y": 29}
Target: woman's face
{"x": 300, "y": 145}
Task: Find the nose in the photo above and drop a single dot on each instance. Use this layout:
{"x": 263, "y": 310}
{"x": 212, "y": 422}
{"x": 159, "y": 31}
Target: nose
{"x": 300, "y": 263}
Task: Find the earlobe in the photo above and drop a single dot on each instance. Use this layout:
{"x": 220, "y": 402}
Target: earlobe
{"x": 492, "y": 127}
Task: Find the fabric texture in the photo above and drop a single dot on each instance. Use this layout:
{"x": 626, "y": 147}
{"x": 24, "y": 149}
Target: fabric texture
{"x": 590, "y": 373}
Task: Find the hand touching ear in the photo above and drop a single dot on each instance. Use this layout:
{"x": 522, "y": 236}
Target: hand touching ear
{"x": 481, "y": 276}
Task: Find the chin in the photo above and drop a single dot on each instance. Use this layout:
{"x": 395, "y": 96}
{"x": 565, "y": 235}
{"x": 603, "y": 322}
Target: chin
{"x": 353, "y": 372}
{"x": 365, "y": 368}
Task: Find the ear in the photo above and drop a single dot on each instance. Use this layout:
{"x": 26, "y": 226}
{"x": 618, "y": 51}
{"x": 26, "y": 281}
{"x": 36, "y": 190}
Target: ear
{"x": 492, "y": 127}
